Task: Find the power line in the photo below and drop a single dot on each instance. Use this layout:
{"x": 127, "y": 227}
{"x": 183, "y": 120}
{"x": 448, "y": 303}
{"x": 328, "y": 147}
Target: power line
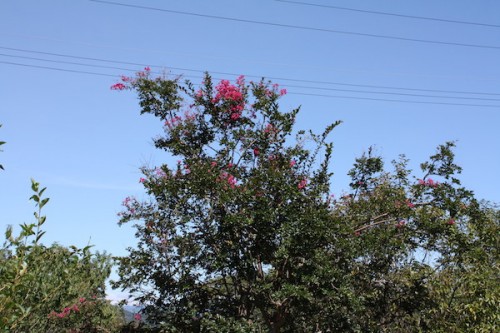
{"x": 391, "y": 14}
{"x": 394, "y": 93}
{"x": 288, "y": 86}
{"x": 351, "y": 33}
{"x": 56, "y": 69}
{"x": 247, "y": 60}
{"x": 67, "y": 62}
{"x": 247, "y": 75}
{"x": 394, "y": 100}
{"x": 292, "y": 93}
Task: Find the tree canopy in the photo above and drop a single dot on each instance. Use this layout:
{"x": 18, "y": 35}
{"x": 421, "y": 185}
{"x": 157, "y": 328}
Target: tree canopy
{"x": 243, "y": 233}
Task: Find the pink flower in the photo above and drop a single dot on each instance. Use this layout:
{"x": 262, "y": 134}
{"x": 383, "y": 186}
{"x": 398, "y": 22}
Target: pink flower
{"x": 302, "y": 184}
{"x": 292, "y": 163}
{"x": 147, "y": 68}
{"x": 240, "y": 80}
{"x": 409, "y": 203}
{"x": 142, "y": 180}
{"x": 432, "y": 183}
{"x": 160, "y": 173}
{"x": 137, "y": 316}
{"x": 82, "y": 299}
{"x": 256, "y": 151}
{"x": 451, "y": 222}
{"x": 282, "y": 92}
{"x": 270, "y": 129}
{"x": 429, "y": 182}
{"x": 118, "y": 86}
{"x": 232, "y": 181}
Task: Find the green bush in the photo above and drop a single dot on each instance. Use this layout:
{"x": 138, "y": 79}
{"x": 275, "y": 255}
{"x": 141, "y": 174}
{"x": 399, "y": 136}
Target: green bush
{"x": 52, "y": 288}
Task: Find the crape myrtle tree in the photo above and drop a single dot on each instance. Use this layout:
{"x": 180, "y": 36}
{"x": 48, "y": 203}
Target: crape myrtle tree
{"x": 243, "y": 234}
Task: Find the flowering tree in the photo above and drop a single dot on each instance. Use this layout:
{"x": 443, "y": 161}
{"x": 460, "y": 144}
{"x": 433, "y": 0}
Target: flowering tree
{"x": 243, "y": 235}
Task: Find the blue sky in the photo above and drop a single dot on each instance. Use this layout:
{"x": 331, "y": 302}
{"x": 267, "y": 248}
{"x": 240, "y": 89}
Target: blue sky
{"x": 71, "y": 133}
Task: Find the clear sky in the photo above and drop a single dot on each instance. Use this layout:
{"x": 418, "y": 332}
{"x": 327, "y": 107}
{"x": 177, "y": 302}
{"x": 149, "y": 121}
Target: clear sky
{"x": 71, "y": 133}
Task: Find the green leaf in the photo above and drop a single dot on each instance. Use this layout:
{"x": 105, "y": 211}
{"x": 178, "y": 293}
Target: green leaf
{"x": 43, "y": 202}
{"x": 40, "y": 234}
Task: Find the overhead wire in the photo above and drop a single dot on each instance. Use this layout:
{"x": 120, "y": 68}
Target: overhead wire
{"x": 55, "y": 68}
{"x": 247, "y": 75}
{"x": 395, "y": 100}
{"x": 247, "y": 60}
{"x": 291, "y": 92}
{"x": 286, "y": 85}
{"x": 282, "y": 25}
{"x": 391, "y": 14}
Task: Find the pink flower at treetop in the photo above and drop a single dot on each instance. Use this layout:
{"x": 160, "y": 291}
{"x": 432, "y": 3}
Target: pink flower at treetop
{"x": 118, "y": 86}
{"x": 429, "y": 182}
{"x": 302, "y": 184}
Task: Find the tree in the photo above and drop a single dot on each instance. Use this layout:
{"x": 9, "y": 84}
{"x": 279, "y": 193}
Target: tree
{"x": 54, "y": 288}
{"x": 243, "y": 235}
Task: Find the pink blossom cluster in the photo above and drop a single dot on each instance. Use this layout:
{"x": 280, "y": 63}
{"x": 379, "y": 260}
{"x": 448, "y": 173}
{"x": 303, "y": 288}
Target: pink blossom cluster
{"x": 118, "y": 86}
{"x": 232, "y": 94}
{"x": 302, "y": 184}
{"x": 126, "y": 80}
{"x": 144, "y": 73}
{"x": 275, "y": 90}
{"x": 129, "y": 203}
{"x": 270, "y": 129}
{"x": 429, "y": 182}
{"x": 160, "y": 173}
{"x": 230, "y": 179}
{"x": 67, "y": 310}
{"x": 409, "y": 203}
{"x": 400, "y": 224}
{"x": 178, "y": 120}
{"x": 174, "y": 121}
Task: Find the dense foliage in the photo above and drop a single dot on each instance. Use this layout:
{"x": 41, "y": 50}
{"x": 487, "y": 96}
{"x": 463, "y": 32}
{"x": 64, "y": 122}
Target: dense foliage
{"x": 52, "y": 288}
{"x": 244, "y": 235}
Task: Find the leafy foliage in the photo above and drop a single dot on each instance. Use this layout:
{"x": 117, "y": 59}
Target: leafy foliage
{"x": 243, "y": 235}
{"x": 52, "y": 289}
